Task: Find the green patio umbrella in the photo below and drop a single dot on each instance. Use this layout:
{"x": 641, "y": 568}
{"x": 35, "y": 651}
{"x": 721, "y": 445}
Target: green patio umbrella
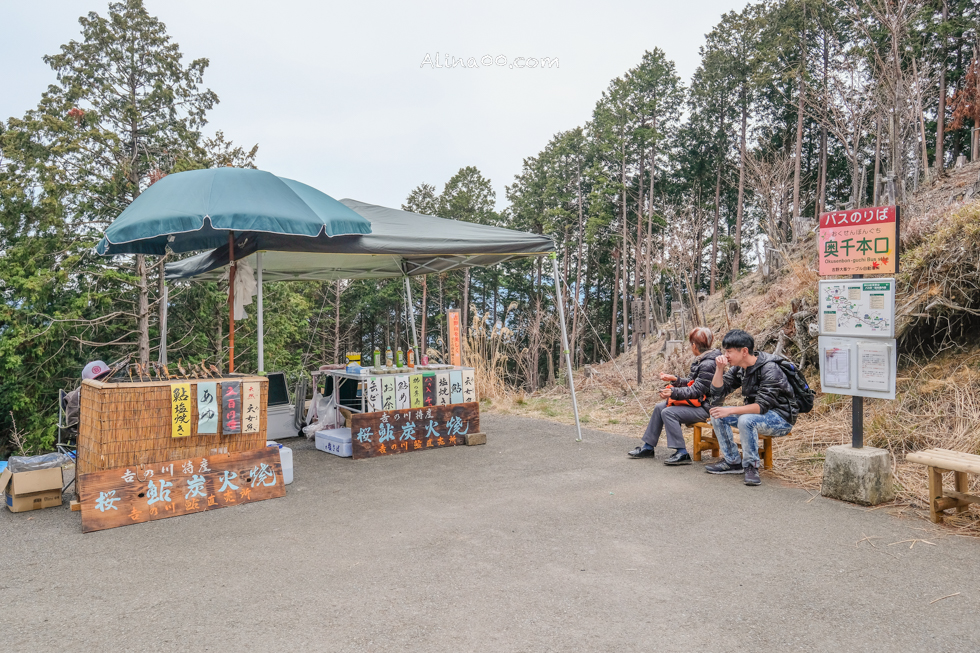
{"x": 204, "y": 209}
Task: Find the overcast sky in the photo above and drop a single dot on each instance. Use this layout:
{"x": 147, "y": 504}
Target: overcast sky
{"x": 337, "y": 96}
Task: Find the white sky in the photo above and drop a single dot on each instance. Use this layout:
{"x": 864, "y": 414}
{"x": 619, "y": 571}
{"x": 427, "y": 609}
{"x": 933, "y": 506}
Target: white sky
{"x": 334, "y": 93}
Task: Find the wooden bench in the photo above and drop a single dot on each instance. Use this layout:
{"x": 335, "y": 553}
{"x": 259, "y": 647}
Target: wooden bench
{"x": 704, "y": 442}
{"x": 938, "y": 461}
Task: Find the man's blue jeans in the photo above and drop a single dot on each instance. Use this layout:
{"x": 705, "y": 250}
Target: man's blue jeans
{"x": 749, "y": 429}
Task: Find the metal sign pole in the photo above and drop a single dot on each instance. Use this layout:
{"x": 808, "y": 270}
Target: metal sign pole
{"x": 857, "y": 412}
{"x": 564, "y": 342}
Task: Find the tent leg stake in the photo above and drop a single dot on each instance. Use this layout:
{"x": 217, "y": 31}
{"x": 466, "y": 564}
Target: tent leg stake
{"x": 258, "y": 264}
{"x": 564, "y": 343}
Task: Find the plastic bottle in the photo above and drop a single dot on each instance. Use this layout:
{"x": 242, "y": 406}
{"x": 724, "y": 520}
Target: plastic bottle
{"x": 389, "y": 360}
{"x": 400, "y": 358}
{"x": 377, "y": 358}
{"x": 411, "y": 357}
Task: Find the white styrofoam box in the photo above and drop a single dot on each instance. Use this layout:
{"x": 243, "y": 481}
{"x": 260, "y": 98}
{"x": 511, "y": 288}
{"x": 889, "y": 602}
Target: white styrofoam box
{"x": 335, "y": 441}
{"x": 280, "y": 422}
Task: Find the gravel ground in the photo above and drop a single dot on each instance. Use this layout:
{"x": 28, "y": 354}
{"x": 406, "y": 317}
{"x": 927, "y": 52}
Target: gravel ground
{"x": 533, "y": 542}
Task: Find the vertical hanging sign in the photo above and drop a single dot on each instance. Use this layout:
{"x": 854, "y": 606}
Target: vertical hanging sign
{"x": 455, "y": 342}
{"x": 207, "y": 408}
{"x": 180, "y": 410}
{"x": 251, "y": 407}
{"x": 415, "y": 381}
{"x": 231, "y": 407}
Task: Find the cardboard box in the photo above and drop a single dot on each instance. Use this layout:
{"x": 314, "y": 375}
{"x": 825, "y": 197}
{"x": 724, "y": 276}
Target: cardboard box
{"x": 32, "y": 490}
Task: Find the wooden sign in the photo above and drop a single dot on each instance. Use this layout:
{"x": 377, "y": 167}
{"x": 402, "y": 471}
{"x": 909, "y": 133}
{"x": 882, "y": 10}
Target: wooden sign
{"x": 401, "y": 431}
{"x": 415, "y": 381}
{"x": 119, "y": 497}
{"x": 455, "y": 338}
{"x": 251, "y": 408}
{"x": 861, "y": 241}
{"x": 429, "y": 389}
{"x": 207, "y": 407}
{"x": 180, "y": 410}
{"x": 231, "y": 405}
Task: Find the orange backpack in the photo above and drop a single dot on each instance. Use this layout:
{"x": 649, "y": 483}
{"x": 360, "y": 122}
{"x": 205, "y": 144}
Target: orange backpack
{"x": 693, "y": 403}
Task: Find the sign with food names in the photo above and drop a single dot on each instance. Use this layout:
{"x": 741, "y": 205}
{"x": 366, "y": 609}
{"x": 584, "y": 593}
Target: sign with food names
{"x": 180, "y": 410}
{"x": 859, "y": 241}
{"x": 415, "y": 429}
{"x": 132, "y": 495}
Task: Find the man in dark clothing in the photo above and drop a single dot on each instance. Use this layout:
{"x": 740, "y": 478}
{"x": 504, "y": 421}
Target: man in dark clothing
{"x": 685, "y": 402}
{"x": 769, "y": 404}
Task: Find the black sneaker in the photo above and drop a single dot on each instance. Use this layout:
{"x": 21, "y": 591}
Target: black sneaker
{"x": 679, "y": 459}
{"x": 724, "y": 467}
{"x": 752, "y": 476}
{"x": 640, "y": 452}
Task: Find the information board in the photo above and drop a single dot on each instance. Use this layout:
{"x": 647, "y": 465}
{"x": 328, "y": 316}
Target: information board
{"x": 860, "y": 367}
{"x": 857, "y": 307}
{"x": 859, "y": 241}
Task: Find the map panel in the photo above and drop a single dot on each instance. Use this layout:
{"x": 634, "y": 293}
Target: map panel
{"x": 857, "y": 307}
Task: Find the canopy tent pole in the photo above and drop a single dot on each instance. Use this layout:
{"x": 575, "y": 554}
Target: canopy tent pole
{"x": 258, "y": 262}
{"x": 564, "y": 342}
{"x": 164, "y": 297}
{"x": 231, "y": 302}
{"x": 411, "y": 317}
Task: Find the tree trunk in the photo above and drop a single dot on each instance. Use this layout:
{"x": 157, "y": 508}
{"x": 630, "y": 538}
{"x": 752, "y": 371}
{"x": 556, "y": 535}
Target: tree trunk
{"x": 578, "y": 268}
{"x": 423, "y": 343}
{"x": 614, "y": 319}
{"x": 736, "y": 262}
{"x": 143, "y": 311}
{"x": 877, "y": 177}
{"x": 941, "y": 111}
{"x": 466, "y": 299}
{"x": 714, "y": 232}
{"x": 922, "y": 123}
{"x": 797, "y": 209}
{"x": 336, "y": 321}
{"x": 162, "y": 309}
{"x": 626, "y": 312}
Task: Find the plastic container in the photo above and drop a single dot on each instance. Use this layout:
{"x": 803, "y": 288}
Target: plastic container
{"x": 335, "y": 441}
{"x": 286, "y": 459}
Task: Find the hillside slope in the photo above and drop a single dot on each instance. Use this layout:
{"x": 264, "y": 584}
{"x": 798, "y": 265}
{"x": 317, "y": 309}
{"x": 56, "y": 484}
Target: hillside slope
{"x": 938, "y": 325}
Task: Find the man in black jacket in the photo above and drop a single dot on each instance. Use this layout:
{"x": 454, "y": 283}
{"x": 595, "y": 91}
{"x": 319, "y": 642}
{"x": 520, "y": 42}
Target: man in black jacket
{"x": 685, "y": 402}
{"x": 769, "y": 404}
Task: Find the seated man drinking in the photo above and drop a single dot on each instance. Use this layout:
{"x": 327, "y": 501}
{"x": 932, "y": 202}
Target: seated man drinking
{"x": 769, "y": 404}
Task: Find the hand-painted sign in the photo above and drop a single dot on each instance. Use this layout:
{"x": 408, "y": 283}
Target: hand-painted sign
{"x": 401, "y": 431}
{"x": 180, "y": 410}
{"x": 119, "y": 497}
{"x": 402, "y": 398}
{"x": 251, "y": 407}
{"x": 861, "y": 241}
{"x": 455, "y": 338}
{"x": 207, "y": 407}
{"x": 231, "y": 404}
{"x": 442, "y": 389}
{"x": 469, "y": 386}
{"x": 429, "y": 389}
{"x": 415, "y": 381}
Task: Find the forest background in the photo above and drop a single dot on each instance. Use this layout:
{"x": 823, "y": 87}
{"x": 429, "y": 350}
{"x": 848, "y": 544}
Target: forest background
{"x": 669, "y": 193}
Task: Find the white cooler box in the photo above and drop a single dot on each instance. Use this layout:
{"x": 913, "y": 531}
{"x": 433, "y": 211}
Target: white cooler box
{"x": 335, "y": 441}
{"x": 280, "y": 422}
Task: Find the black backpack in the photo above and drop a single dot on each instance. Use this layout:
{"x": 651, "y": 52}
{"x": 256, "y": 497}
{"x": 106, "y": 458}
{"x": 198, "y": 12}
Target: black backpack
{"x": 804, "y": 395}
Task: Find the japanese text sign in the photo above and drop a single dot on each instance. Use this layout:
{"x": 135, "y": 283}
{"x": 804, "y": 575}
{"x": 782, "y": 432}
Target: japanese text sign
{"x": 207, "y": 407}
{"x": 415, "y": 429}
{"x": 860, "y": 241}
{"x": 455, "y": 342}
{"x": 119, "y": 497}
{"x": 231, "y": 405}
{"x": 251, "y": 407}
{"x": 180, "y": 410}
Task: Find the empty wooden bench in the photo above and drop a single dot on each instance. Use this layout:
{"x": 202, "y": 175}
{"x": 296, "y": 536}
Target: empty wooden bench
{"x": 704, "y": 442}
{"x": 938, "y": 461}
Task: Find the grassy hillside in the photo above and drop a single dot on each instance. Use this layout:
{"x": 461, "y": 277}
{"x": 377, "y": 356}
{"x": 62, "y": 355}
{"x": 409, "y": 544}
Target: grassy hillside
{"x": 938, "y": 325}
